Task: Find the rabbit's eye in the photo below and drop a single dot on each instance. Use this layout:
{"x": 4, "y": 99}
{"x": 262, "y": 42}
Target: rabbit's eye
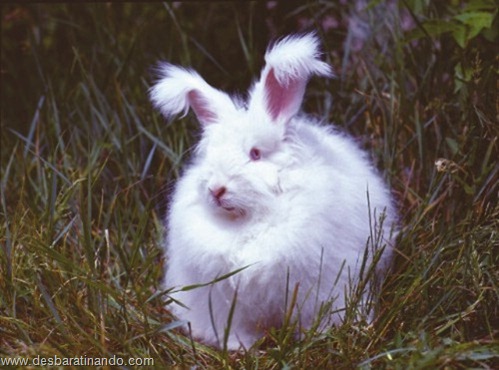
{"x": 255, "y": 154}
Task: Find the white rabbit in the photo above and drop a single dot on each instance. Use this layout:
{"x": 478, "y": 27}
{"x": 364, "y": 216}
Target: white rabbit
{"x": 270, "y": 191}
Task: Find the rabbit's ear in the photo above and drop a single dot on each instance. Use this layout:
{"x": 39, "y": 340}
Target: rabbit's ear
{"x": 289, "y": 65}
{"x": 179, "y": 89}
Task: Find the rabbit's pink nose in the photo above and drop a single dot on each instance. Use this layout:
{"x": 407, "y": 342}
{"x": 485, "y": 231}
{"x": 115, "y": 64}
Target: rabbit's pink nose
{"x": 218, "y": 192}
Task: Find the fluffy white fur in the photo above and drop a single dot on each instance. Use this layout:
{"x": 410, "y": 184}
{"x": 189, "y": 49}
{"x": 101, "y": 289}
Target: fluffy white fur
{"x": 269, "y": 190}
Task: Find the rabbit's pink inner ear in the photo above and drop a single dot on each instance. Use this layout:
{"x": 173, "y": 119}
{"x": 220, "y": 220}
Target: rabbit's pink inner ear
{"x": 282, "y": 100}
{"x": 201, "y": 107}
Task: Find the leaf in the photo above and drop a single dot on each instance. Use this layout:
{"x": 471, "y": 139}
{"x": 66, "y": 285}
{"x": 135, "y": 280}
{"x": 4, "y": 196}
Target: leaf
{"x": 476, "y": 21}
{"x": 453, "y": 145}
{"x": 463, "y": 73}
{"x": 432, "y": 28}
{"x": 463, "y": 26}
{"x": 481, "y": 5}
{"x": 461, "y": 35}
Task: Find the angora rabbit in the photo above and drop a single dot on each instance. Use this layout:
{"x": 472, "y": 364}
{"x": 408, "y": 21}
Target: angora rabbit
{"x": 288, "y": 204}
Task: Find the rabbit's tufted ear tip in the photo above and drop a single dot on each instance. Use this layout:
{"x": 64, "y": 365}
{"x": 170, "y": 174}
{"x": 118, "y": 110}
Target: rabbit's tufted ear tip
{"x": 297, "y": 56}
{"x": 290, "y": 63}
{"x": 168, "y": 94}
{"x": 177, "y": 89}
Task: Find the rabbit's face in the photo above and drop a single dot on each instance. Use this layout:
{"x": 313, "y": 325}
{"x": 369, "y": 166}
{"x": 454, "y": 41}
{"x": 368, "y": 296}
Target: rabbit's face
{"x": 241, "y": 160}
{"x": 244, "y": 151}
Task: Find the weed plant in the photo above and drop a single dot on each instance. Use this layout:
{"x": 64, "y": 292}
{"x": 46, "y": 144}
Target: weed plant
{"x": 87, "y": 166}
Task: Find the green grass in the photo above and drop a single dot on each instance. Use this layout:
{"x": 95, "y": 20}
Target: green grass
{"x": 86, "y": 167}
